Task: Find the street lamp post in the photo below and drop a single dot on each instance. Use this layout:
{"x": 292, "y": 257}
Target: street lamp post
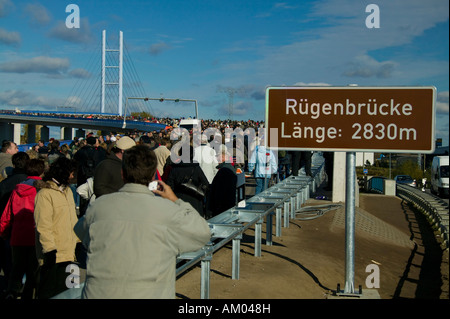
{"x": 124, "y": 125}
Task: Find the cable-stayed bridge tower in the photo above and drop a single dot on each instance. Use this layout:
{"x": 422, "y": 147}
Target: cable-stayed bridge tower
{"x": 108, "y": 79}
{"x": 115, "y": 69}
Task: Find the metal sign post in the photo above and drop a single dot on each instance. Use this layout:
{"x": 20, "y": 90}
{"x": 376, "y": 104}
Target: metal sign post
{"x": 351, "y": 119}
{"x": 350, "y": 223}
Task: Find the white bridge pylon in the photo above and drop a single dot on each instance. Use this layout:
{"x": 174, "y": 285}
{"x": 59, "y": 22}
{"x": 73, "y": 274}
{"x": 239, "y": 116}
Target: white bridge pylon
{"x": 109, "y": 68}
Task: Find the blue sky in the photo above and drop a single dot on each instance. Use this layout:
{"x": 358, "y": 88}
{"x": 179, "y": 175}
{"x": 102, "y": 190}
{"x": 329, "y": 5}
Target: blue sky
{"x": 204, "y": 50}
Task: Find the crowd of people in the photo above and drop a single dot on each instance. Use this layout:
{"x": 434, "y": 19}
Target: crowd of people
{"x": 62, "y": 203}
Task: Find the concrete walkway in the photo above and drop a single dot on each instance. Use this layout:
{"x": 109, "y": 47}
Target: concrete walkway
{"x": 308, "y": 260}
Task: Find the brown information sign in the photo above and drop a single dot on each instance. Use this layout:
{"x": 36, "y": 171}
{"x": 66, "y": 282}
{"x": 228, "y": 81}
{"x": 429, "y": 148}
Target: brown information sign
{"x": 387, "y": 119}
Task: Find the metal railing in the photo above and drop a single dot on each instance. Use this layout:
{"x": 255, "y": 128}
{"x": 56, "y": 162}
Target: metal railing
{"x": 436, "y": 210}
{"x": 285, "y": 197}
{"x": 432, "y": 206}
{"x": 281, "y": 200}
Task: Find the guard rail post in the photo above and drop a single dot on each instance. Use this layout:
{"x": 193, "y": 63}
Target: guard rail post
{"x": 236, "y": 255}
{"x": 278, "y": 222}
{"x": 258, "y": 237}
{"x": 269, "y": 231}
{"x": 205, "y": 273}
{"x": 286, "y": 214}
{"x": 299, "y": 200}
{"x": 293, "y": 205}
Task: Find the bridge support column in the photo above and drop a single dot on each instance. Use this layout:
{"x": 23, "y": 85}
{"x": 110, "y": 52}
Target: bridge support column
{"x": 31, "y": 138}
{"x": 6, "y": 131}
{"x": 339, "y": 179}
{"x": 66, "y": 133}
{"x": 17, "y": 129}
{"x": 80, "y": 133}
{"x": 45, "y": 133}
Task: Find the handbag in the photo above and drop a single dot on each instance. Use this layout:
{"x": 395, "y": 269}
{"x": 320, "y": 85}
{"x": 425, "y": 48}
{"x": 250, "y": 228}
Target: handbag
{"x": 189, "y": 187}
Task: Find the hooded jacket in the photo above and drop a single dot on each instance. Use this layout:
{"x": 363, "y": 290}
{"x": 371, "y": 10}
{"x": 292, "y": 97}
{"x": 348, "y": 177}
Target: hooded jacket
{"x": 18, "y": 217}
{"x": 8, "y": 185}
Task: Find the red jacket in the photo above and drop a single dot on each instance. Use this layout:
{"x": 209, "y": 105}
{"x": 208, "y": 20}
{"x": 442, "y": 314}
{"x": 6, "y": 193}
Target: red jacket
{"x": 18, "y": 217}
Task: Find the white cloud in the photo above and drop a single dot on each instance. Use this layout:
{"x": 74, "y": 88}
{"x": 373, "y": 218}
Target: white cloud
{"x": 443, "y": 96}
{"x": 442, "y": 103}
{"x": 23, "y": 98}
{"x": 158, "y": 48}
{"x": 41, "y": 64}
{"x": 283, "y": 5}
{"x": 239, "y": 108}
{"x": 73, "y": 101}
{"x": 9, "y": 37}
{"x": 80, "y": 73}
{"x": 83, "y": 34}
{"x": 38, "y": 14}
{"x": 366, "y": 67}
{"x": 338, "y": 44}
{"x": 5, "y": 7}
{"x": 311, "y": 84}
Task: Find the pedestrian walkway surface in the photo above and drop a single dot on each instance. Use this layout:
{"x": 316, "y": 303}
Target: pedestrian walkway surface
{"x": 308, "y": 260}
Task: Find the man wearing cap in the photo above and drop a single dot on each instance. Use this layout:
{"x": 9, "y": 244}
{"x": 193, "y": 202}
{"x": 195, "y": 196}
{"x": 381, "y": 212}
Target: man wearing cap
{"x": 108, "y": 176}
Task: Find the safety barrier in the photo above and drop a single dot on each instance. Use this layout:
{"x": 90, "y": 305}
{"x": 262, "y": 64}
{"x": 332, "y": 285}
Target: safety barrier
{"x": 281, "y": 200}
{"x": 432, "y": 206}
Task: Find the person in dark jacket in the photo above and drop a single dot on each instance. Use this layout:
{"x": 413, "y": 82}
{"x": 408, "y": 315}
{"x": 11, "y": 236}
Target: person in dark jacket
{"x": 297, "y": 158}
{"x": 180, "y": 173}
{"x": 222, "y": 195}
{"x": 54, "y": 152}
{"x": 108, "y": 176}
{"x": 107, "y": 179}
{"x": 20, "y": 161}
{"x": 88, "y": 157}
{"x": 89, "y": 154}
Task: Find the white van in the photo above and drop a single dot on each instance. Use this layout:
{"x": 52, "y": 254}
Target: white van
{"x": 439, "y": 176}
{"x": 189, "y": 124}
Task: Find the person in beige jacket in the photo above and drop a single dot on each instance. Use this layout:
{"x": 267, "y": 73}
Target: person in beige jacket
{"x": 55, "y": 216}
{"x": 133, "y": 236}
{"x": 162, "y": 153}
